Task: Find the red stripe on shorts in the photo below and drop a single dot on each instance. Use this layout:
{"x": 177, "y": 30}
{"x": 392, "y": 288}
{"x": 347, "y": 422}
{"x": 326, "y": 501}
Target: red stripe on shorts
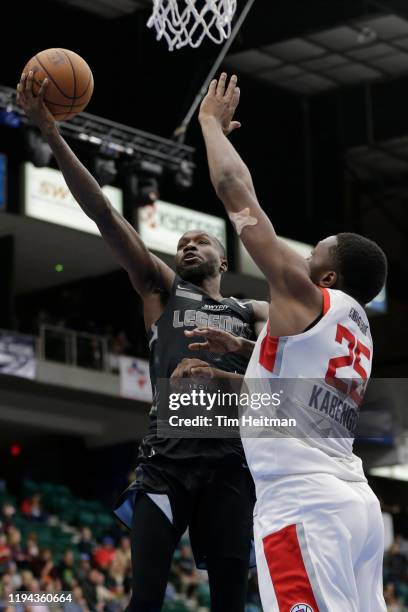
{"x": 287, "y": 570}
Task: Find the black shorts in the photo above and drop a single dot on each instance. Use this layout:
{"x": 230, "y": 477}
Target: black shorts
{"x": 214, "y": 498}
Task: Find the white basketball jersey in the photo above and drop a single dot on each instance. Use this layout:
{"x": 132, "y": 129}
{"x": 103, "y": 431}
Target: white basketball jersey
{"x": 331, "y": 362}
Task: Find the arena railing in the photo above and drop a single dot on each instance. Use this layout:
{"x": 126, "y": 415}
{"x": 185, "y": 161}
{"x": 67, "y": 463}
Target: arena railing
{"x": 74, "y": 348}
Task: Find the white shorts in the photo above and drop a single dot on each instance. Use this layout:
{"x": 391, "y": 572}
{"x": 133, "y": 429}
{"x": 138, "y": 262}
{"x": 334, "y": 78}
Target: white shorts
{"x": 319, "y": 545}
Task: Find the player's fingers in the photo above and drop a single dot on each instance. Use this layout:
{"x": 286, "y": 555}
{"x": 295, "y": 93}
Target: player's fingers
{"x": 193, "y": 332}
{"x": 221, "y": 85}
{"x": 198, "y": 331}
{"x": 213, "y": 332}
{"x": 18, "y": 94}
{"x": 232, "y": 85}
{"x": 198, "y": 346}
{"x": 196, "y": 363}
{"x": 29, "y": 82}
{"x": 235, "y": 100}
{"x": 43, "y": 88}
{"x": 213, "y": 87}
{"x": 210, "y": 332}
{"x": 204, "y": 372}
{"x": 234, "y": 125}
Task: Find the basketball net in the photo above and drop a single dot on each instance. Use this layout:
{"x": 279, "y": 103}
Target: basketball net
{"x": 187, "y": 22}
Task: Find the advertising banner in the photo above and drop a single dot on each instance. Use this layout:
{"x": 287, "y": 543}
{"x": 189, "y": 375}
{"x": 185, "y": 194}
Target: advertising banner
{"x": 47, "y": 197}
{"x": 17, "y": 355}
{"x": 135, "y": 378}
{"x": 162, "y": 224}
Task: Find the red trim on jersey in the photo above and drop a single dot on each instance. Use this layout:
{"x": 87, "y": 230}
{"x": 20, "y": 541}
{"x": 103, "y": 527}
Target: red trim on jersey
{"x": 326, "y": 300}
{"x": 269, "y": 350}
{"x": 287, "y": 569}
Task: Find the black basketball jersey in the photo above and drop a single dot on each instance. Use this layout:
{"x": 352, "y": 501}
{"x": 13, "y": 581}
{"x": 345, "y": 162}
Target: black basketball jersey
{"x": 189, "y": 307}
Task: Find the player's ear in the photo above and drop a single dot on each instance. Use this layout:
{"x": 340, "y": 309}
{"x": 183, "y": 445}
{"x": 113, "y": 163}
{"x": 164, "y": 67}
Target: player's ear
{"x": 329, "y": 279}
{"x": 224, "y": 265}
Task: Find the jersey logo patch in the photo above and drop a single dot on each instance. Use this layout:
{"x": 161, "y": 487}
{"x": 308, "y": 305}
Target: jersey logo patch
{"x": 301, "y": 607}
{"x": 216, "y": 307}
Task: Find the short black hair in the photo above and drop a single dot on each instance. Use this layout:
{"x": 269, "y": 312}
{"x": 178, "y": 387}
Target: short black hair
{"x": 361, "y": 265}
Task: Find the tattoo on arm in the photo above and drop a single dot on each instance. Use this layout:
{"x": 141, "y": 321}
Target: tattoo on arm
{"x": 241, "y": 219}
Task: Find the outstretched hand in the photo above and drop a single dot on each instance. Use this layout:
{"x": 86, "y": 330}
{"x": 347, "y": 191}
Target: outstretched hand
{"x": 216, "y": 340}
{"x": 34, "y": 106}
{"x": 221, "y": 103}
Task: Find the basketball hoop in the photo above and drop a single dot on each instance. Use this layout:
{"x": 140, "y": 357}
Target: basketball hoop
{"x": 187, "y": 22}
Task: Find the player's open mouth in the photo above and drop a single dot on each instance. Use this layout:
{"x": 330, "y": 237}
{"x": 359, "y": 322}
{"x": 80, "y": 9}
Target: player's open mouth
{"x": 190, "y": 258}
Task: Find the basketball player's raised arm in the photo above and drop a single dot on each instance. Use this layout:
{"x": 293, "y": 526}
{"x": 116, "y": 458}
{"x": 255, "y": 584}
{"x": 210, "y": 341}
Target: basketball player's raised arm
{"x": 233, "y": 184}
{"x": 146, "y": 271}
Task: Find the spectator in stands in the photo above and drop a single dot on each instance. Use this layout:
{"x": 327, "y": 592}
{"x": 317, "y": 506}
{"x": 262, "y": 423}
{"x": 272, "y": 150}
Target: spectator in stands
{"x": 123, "y": 553}
{"x": 83, "y": 567}
{"x": 103, "y": 555}
{"x": 6, "y": 588}
{"x": 66, "y": 569}
{"x": 120, "y": 344}
{"x": 89, "y": 588}
{"x": 14, "y": 575}
{"x": 86, "y": 543}
{"x": 394, "y": 604}
{"x": 104, "y": 597}
{"x": 5, "y": 553}
{"x": 43, "y": 566}
{"x": 32, "y": 508}
{"x": 34, "y": 588}
{"x": 32, "y": 549}
{"x": 395, "y": 564}
{"x": 115, "y": 578}
{"x": 78, "y": 603}
{"x": 403, "y": 545}
{"x": 253, "y": 593}
{"x": 6, "y": 516}
{"x": 186, "y": 567}
{"x": 15, "y": 542}
{"x": 26, "y": 581}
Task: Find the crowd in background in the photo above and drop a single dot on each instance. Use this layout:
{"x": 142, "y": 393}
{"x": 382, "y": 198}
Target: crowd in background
{"x": 396, "y": 575}
{"x": 96, "y": 569}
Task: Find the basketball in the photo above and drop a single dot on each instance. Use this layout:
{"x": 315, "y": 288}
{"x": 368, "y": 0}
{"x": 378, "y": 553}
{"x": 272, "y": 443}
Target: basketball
{"x": 70, "y": 79}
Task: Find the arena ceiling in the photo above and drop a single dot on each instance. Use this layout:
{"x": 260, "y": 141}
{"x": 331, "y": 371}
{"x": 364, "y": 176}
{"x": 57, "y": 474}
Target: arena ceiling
{"x": 108, "y": 8}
